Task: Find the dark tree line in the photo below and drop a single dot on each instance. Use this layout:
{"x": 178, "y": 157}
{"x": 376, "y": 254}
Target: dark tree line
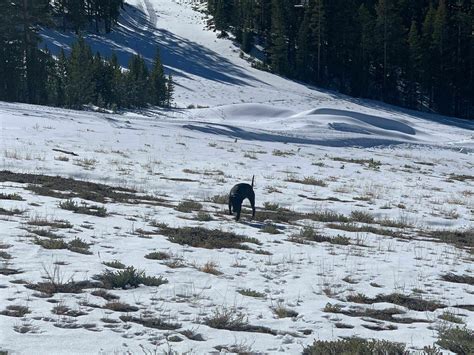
{"x": 77, "y": 14}
{"x": 417, "y": 54}
{"x": 32, "y": 75}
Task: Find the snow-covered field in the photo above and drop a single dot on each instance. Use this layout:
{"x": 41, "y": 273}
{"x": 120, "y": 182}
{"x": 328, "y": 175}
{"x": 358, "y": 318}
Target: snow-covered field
{"x": 379, "y": 186}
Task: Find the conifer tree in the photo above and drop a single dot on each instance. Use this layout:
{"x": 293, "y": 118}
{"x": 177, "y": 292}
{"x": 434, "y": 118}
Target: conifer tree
{"x": 80, "y": 76}
{"x": 169, "y": 90}
{"x": 158, "y": 84}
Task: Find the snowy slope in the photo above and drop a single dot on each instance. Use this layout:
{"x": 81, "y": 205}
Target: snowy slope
{"x": 250, "y": 123}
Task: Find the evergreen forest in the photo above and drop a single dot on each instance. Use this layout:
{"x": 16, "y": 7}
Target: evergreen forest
{"x": 417, "y": 54}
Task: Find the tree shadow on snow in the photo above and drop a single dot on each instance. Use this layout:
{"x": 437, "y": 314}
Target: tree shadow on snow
{"x": 135, "y": 33}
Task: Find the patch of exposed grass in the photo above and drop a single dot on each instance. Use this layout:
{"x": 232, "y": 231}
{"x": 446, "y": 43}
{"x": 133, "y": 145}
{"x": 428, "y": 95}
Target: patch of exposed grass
{"x": 15, "y": 311}
{"x": 363, "y": 217}
{"x": 59, "y": 187}
{"x": 118, "y": 306}
{"x": 76, "y": 245}
{"x": 128, "y": 278}
{"x": 369, "y": 162}
{"x": 270, "y": 229}
{"x": 251, "y": 293}
{"x": 203, "y": 216}
{"x": 13, "y": 197}
{"x": 50, "y": 243}
{"x": 462, "y": 177}
{"x": 461, "y": 279}
{"x": 115, "y": 264}
{"x": 63, "y": 310}
{"x": 284, "y": 312}
{"x": 352, "y": 227}
{"x": 198, "y": 237}
{"x": 387, "y": 314}
{"x": 415, "y": 303}
{"x": 308, "y": 180}
{"x": 355, "y": 346}
{"x": 282, "y": 153}
{"x": 4, "y": 255}
{"x": 309, "y": 234}
{"x": 459, "y": 238}
{"x": 188, "y": 206}
{"x": 158, "y": 255}
{"x": 451, "y": 317}
{"x": 83, "y": 208}
{"x": 210, "y": 268}
{"x": 151, "y": 322}
{"x": 232, "y": 319}
{"x": 270, "y": 206}
{"x": 44, "y": 222}
{"x": 105, "y": 295}
{"x": 458, "y": 340}
{"x": 220, "y": 199}
{"x": 10, "y": 212}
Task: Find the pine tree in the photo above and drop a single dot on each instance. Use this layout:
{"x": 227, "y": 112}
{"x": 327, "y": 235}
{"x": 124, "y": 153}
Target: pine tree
{"x": 158, "y": 85}
{"x": 279, "y": 46}
{"x": 137, "y": 82}
{"x": 414, "y": 68}
{"x": 318, "y": 34}
{"x": 80, "y": 79}
{"x": 169, "y": 91}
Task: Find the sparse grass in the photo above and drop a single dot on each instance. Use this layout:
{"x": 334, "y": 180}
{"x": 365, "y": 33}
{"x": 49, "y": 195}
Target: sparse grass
{"x": 10, "y": 212}
{"x": 387, "y": 314}
{"x": 458, "y": 340}
{"x": 355, "y": 346}
{"x": 251, "y": 293}
{"x": 188, "y": 206}
{"x": 370, "y": 163}
{"x": 352, "y": 227}
{"x": 415, "y": 302}
{"x": 459, "y": 238}
{"x": 83, "y": 208}
{"x": 462, "y": 177}
{"x": 270, "y": 206}
{"x": 220, "y": 199}
{"x": 158, "y": 255}
{"x": 203, "y": 216}
{"x": 44, "y": 222}
{"x": 270, "y": 229}
{"x": 118, "y": 306}
{"x": 210, "y": 268}
{"x": 206, "y": 238}
{"x": 461, "y": 279}
{"x": 59, "y": 187}
{"x": 284, "y": 312}
{"x": 116, "y": 264}
{"x": 451, "y": 317}
{"x": 4, "y": 255}
{"x": 128, "y": 278}
{"x": 151, "y": 322}
{"x": 15, "y": 311}
{"x": 63, "y": 310}
{"x": 309, "y": 234}
{"x": 308, "y": 180}
{"x": 13, "y": 197}
{"x": 232, "y": 319}
{"x": 362, "y": 217}
{"x": 105, "y": 295}
{"x": 50, "y": 243}
{"x": 76, "y": 245}
{"x": 282, "y": 153}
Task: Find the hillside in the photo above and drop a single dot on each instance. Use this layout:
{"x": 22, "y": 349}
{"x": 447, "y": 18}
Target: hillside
{"x": 363, "y": 225}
